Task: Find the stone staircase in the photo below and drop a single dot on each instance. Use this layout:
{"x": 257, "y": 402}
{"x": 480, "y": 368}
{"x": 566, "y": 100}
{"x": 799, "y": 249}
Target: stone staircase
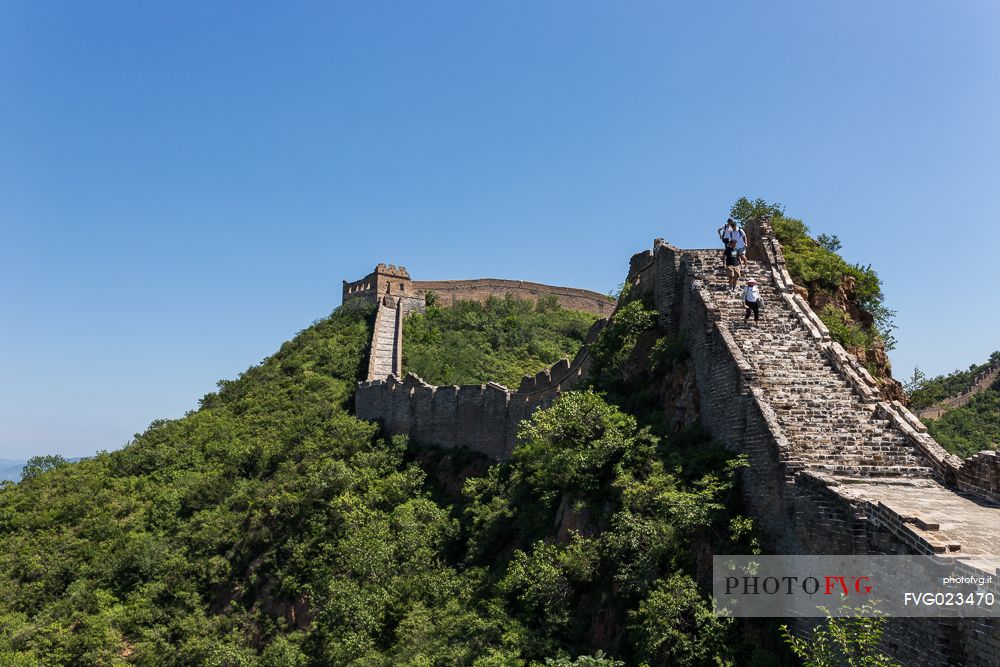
{"x": 829, "y": 428}
{"x": 385, "y": 355}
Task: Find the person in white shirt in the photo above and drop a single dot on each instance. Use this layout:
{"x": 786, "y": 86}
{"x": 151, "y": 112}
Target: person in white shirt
{"x": 730, "y": 232}
{"x": 751, "y": 301}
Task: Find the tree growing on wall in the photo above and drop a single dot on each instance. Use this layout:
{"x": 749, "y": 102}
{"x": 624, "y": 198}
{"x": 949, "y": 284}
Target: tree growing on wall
{"x": 744, "y": 210}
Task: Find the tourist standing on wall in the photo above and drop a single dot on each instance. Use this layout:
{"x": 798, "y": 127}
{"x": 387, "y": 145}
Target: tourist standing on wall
{"x": 751, "y": 301}
{"x": 731, "y": 260}
{"x": 730, "y": 232}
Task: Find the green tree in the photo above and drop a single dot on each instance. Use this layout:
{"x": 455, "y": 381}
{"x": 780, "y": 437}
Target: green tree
{"x": 744, "y": 210}
{"x": 38, "y": 465}
{"x": 850, "y": 641}
{"x": 916, "y": 381}
{"x": 675, "y": 626}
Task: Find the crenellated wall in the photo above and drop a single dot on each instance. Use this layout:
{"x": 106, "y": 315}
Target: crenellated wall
{"x": 983, "y": 381}
{"x": 483, "y": 418}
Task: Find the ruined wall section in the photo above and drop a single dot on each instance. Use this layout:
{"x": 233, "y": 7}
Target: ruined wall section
{"x": 450, "y": 291}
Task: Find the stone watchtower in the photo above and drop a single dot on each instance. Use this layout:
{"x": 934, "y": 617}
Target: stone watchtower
{"x": 385, "y": 279}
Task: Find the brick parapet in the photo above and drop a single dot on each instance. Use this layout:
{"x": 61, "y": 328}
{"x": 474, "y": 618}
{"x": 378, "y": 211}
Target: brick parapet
{"x": 450, "y": 291}
{"x": 980, "y": 474}
{"x": 483, "y": 418}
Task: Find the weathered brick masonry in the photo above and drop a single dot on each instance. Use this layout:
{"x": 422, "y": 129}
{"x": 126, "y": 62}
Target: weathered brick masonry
{"x": 483, "y": 418}
{"x": 834, "y": 468}
{"x": 450, "y": 291}
{"x": 395, "y": 281}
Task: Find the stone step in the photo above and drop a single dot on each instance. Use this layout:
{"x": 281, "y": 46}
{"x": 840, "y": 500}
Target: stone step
{"x": 828, "y": 426}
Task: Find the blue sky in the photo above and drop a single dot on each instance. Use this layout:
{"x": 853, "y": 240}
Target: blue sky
{"x": 184, "y": 185}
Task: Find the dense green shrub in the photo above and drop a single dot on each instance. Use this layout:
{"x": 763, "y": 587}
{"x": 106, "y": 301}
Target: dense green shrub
{"x": 586, "y": 457}
{"x": 674, "y": 626}
{"x": 971, "y": 428}
{"x": 850, "y": 641}
{"x": 846, "y": 331}
{"x": 500, "y": 340}
{"x": 611, "y": 352}
{"x": 816, "y": 264}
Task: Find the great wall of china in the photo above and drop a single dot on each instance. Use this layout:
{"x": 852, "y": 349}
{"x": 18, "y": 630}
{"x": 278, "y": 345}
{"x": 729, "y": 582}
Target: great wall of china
{"x": 481, "y": 417}
{"x": 834, "y": 468}
{"x": 983, "y": 381}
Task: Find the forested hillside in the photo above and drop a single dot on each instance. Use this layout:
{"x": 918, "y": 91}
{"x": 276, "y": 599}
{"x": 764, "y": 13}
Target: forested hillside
{"x": 270, "y": 527}
{"x": 499, "y": 340}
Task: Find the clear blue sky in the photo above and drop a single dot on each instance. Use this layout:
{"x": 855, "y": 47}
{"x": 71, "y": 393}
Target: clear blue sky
{"x": 184, "y": 185}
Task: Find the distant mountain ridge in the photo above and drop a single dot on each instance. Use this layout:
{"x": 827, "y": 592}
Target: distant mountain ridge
{"x": 10, "y": 469}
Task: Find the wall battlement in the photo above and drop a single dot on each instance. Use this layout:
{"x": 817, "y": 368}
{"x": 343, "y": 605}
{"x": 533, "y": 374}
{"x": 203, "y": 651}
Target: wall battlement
{"x": 483, "y": 418}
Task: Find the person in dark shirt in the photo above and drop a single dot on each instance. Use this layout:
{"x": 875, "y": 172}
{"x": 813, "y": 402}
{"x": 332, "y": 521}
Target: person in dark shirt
{"x": 731, "y": 260}
{"x": 730, "y": 232}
